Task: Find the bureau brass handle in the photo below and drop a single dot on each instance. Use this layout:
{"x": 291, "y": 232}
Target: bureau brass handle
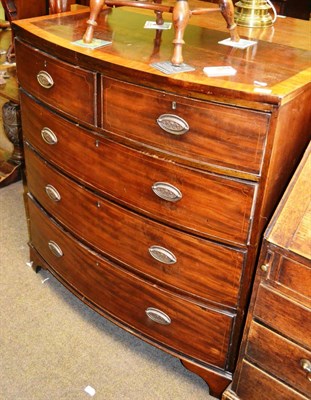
{"x": 158, "y": 316}
{"x": 52, "y": 193}
{"x": 45, "y": 80}
{"x": 166, "y": 191}
{"x": 48, "y": 136}
{"x": 173, "y": 124}
{"x": 162, "y": 255}
{"x": 55, "y": 249}
{"x": 306, "y": 366}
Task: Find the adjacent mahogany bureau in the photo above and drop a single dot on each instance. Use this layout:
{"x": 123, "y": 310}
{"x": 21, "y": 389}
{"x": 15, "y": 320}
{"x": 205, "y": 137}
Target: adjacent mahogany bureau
{"x": 275, "y": 358}
{"x": 148, "y": 193}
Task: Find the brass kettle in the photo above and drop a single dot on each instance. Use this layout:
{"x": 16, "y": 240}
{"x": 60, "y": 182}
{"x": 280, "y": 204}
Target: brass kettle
{"x": 253, "y": 13}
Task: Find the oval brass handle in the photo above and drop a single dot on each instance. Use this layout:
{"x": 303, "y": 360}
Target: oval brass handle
{"x": 48, "y": 136}
{"x": 45, "y": 80}
{"x": 52, "y": 193}
{"x": 173, "y": 124}
{"x": 55, "y": 249}
{"x": 158, "y": 316}
{"x": 306, "y": 366}
{"x": 166, "y": 191}
{"x": 162, "y": 255}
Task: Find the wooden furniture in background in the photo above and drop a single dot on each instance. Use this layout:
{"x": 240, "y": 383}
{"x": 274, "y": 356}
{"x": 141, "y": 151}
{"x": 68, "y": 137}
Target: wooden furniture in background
{"x": 149, "y": 193}
{"x": 181, "y": 13}
{"x": 275, "y": 358}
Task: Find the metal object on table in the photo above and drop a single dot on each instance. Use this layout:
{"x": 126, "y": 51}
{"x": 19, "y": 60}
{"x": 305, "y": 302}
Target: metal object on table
{"x": 253, "y": 13}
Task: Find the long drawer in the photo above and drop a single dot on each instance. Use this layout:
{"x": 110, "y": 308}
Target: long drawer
{"x": 188, "y": 263}
{"x": 195, "y": 130}
{"x": 155, "y": 313}
{"x": 256, "y": 384}
{"x": 54, "y": 82}
{"x": 279, "y": 357}
{"x": 203, "y": 203}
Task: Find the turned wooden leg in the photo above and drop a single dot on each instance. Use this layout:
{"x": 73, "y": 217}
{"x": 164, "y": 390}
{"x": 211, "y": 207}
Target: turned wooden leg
{"x": 159, "y": 14}
{"x": 227, "y": 10}
{"x": 217, "y": 383}
{"x": 181, "y": 16}
{"x": 96, "y": 7}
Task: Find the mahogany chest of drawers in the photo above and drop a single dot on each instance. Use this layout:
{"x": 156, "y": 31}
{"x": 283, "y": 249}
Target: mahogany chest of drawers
{"x": 148, "y": 193}
{"x": 275, "y": 358}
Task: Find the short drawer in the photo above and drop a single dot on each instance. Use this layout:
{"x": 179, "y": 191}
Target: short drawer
{"x": 285, "y": 315}
{"x": 157, "y": 314}
{"x": 278, "y": 356}
{"x": 63, "y": 86}
{"x": 193, "y": 130}
{"x": 188, "y": 263}
{"x": 293, "y": 277}
{"x": 255, "y": 384}
{"x": 202, "y": 203}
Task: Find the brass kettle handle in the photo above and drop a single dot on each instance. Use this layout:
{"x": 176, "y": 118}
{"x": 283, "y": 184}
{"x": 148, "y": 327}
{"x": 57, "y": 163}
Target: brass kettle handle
{"x": 45, "y": 80}
{"x": 306, "y": 366}
{"x": 158, "y": 316}
{"x": 55, "y": 249}
{"x": 48, "y": 136}
{"x": 166, "y": 191}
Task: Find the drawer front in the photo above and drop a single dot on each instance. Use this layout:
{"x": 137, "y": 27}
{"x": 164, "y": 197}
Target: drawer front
{"x": 255, "y": 384}
{"x": 199, "y": 202}
{"x": 278, "y": 356}
{"x": 293, "y": 276}
{"x": 288, "y": 317}
{"x": 194, "y": 130}
{"x": 63, "y": 86}
{"x": 188, "y": 263}
{"x": 171, "y": 321}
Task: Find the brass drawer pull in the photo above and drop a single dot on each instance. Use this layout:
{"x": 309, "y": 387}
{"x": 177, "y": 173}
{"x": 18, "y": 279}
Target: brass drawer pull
{"x": 306, "y": 366}
{"x": 45, "y": 80}
{"x": 48, "y": 136}
{"x": 55, "y": 249}
{"x": 52, "y": 193}
{"x": 173, "y": 124}
{"x": 162, "y": 255}
{"x": 166, "y": 191}
{"x": 158, "y": 316}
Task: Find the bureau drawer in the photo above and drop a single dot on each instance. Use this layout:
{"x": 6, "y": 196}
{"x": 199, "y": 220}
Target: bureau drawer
{"x": 194, "y": 130}
{"x": 172, "y": 320}
{"x": 293, "y": 278}
{"x": 278, "y": 356}
{"x": 63, "y": 86}
{"x": 256, "y": 384}
{"x": 188, "y": 263}
{"x": 288, "y": 317}
{"x": 199, "y": 202}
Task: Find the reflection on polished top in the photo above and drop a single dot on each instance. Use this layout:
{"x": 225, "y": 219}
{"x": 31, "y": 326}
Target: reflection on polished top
{"x": 280, "y": 61}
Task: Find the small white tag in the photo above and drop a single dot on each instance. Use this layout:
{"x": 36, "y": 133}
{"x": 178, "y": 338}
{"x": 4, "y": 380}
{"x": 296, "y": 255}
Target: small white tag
{"x": 241, "y": 44}
{"x": 219, "y": 71}
{"x": 262, "y": 90}
{"x": 258, "y": 83}
{"x": 89, "y": 390}
{"x": 153, "y": 25}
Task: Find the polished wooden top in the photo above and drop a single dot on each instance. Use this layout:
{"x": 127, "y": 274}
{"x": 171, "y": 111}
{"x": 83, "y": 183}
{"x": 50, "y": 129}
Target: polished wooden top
{"x": 290, "y": 228}
{"x": 280, "y": 59}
